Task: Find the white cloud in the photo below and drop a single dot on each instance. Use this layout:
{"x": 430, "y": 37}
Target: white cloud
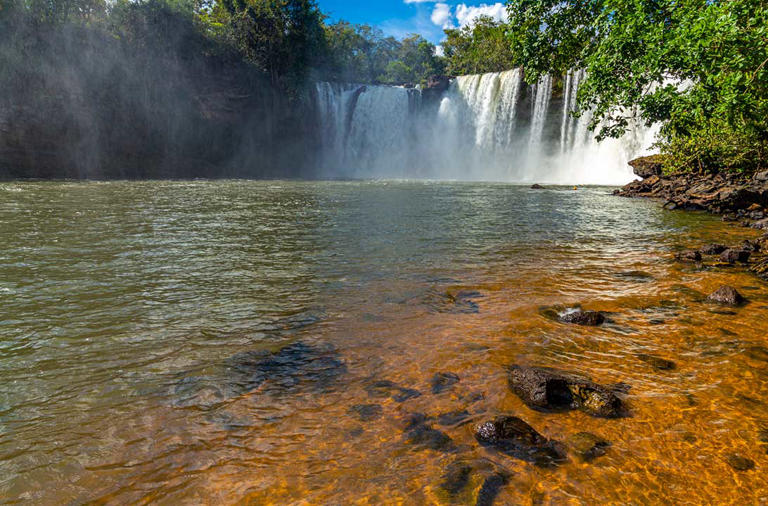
{"x": 439, "y": 50}
{"x": 441, "y": 15}
{"x": 466, "y": 15}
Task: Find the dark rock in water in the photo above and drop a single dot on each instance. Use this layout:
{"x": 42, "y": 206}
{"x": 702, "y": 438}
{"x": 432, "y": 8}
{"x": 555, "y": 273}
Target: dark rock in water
{"x": 514, "y": 437}
{"x": 453, "y": 418}
{"x": 411, "y": 420}
{"x": 456, "y": 478}
{"x": 588, "y": 446}
{"x": 367, "y": 412}
{"x": 731, "y": 256}
{"x": 713, "y": 249}
{"x": 739, "y": 463}
{"x": 584, "y": 318}
{"x": 659, "y": 363}
{"x": 491, "y": 488}
{"x": 294, "y": 368}
{"x": 546, "y": 389}
{"x": 443, "y": 381}
{"x": 635, "y": 276}
{"x": 386, "y": 388}
{"x": 727, "y": 295}
{"x": 757, "y": 353}
{"x": 290, "y": 367}
{"x": 461, "y": 302}
{"x": 688, "y": 256}
{"x": 648, "y": 166}
{"x": 537, "y": 187}
{"x": 424, "y": 436}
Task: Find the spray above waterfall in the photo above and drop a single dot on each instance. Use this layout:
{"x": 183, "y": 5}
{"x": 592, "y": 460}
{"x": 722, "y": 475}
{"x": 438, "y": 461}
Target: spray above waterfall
{"x": 482, "y": 127}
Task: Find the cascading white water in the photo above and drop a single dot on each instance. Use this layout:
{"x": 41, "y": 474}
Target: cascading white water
{"x": 542, "y": 93}
{"x": 483, "y": 127}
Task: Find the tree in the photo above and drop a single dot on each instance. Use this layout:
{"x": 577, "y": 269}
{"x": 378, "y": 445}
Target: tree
{"x": 697, "y": 66}
{"x": 478, "y": 48}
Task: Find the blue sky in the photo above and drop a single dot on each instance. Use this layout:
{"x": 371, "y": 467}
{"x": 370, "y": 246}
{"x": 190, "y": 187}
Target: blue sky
{"x": 403, "y": 17}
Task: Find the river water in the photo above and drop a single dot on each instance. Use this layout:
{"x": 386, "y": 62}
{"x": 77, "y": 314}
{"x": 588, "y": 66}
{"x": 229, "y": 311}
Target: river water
{"x": 138, "y": 321}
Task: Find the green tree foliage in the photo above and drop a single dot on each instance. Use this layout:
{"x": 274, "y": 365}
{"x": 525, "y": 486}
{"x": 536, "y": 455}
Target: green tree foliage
{"x": 363, "y": 54}
{"x": 478, "y": 48}
{"x": 696, "y": 66}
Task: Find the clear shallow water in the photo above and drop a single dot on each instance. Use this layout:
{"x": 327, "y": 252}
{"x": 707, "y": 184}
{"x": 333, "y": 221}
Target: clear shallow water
{"x": 128, "y": 307}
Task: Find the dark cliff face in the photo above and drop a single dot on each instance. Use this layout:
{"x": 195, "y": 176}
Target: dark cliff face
{"x": 77, "y": 103}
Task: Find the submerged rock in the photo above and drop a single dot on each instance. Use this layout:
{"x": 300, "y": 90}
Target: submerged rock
{"x": 659, "y": 363}
{"x": 588, "y": 446}
{"x": 453, "y": 418}
{"x": 367, "y": 412}
{"x": 386, "y": 388}
{"x": 418, "y": 433}
{"x": 584, "y": 318}
{"x": 514, "y": 437}
{"x": 443, "y": 381}
{"x": 461, "y": 302}
{"x": 713, "y": 249}
{"x": 731, "y": 256}
{"x": 294, "y": 368}
{"x": 688, "y": 256}
{"x": 426, "y": 437}
{"x": 757, "y": 353}
{"x": 635, "y": 276}
{"x": 546, "y": 389}
{"x": 739, "y": 463}
{"x": 456, "y": 478}
{"x": 491, "y": 488}
{"x": 727, "y": 295}
{"x": 537, "y": 187}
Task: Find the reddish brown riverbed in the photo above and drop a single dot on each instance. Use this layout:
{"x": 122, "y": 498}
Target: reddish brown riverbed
{"x": 128, "y": 300}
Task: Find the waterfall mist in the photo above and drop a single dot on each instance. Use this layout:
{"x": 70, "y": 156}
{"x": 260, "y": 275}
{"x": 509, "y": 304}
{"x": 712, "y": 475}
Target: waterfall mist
{"x": 489, "y": 127}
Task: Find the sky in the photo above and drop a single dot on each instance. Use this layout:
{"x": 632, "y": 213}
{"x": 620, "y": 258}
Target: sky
{"x": 404, "y": 17}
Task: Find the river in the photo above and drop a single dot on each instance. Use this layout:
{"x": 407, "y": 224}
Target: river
{"x": 138, "y": 320}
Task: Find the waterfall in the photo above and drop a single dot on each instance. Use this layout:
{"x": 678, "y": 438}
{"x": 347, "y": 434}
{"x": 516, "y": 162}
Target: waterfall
{"x": 542, "y": 93}
{"x": 483, "y": 127}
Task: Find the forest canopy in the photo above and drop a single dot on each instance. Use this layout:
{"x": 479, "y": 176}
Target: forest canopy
{"x": 697, "y": 67}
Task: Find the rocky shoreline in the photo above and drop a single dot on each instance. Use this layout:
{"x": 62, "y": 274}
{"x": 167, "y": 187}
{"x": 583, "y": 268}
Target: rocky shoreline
{"x": 738, "y": 198}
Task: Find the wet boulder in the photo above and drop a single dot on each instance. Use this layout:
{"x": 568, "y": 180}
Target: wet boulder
{"x": 727, "y": 295}
{"x": 546, "y": 389}
{"x": 443, "y": 381}
{"x": 513, "y": 436}
{"x": 731, "y": 256}
{"x": 588, "y": 446}
{"x": 658, "y": 363}
{"x": 537, "y": 187}
{"x": 689, "y": 256}
{"x": 583, "y": 318}
{"x": 648, "y": 166}
{"x": 712, "y": 249}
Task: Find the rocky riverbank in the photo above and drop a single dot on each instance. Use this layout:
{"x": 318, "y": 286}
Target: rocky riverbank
{"x": 738, "y": 198}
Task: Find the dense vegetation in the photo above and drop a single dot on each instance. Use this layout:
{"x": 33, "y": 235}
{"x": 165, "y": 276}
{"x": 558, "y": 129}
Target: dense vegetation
{"x": 177, "y": 88}
{"x": 699, "y": 67}
{"x": 137, "y": 85}
{"x": 478, "y": 48}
